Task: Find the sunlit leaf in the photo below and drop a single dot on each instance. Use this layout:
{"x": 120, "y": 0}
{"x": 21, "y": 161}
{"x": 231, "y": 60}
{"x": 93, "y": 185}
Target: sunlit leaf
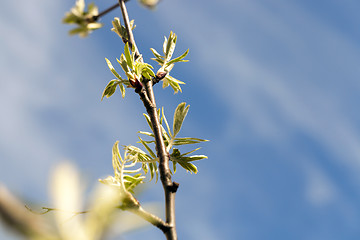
{"x": 179, "y": 116}
{"x": 170, "y": 46}
{"x": 178, "y": 59}
{"x": 128, "y": 57}
{"x": 147, "y": 148}
{"x": 110, "y": 88}
{"x": 166, "y": 122}
{"x": 112, "y": 69}
{"x": 148, "y": 120}
{"x": 124, "y": 178}
{"x": 188, "y": 140}
{"x": 146, "y": 133}
{"x": 123, "y": 64}
{"x": 188, "y": 166}
{"x": 165, "y": 45}
{"x": 156, "y": 54}
{"x": 94, "y": 26}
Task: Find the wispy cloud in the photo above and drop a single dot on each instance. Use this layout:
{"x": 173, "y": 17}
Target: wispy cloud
{"x": 308, "y": 89}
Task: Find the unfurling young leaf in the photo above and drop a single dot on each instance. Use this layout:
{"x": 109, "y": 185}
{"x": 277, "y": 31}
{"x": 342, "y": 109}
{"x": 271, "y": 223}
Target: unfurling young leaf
{"x": 178, "y": 59}
{"x": 128, "y": 56}
{"x": 110, "y": 88}
{"x": 148, "y": 162}
{"x": 174, "y": 83}
{"x": 121, "y": 30}
{"x": 167, "y": 63}
{"x": 112, "y": 69}
{"x": 125, "y": 178}
{"x": 185, "y": 161}
{"x": 169, "y": 46}
{"x": 171, "y": 140}
{"x": 179, "y": 116}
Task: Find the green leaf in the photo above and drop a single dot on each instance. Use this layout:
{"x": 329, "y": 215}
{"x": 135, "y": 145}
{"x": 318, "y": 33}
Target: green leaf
{"x": 148, "y": 162}
{"x": 194, "y": 158}
{"x": 165, "y": 45}
{"x": 156, "y": 54}
{"x": 144, "y": 69}
{"x": 122, "y": 89}
{"x": 165, "y": 83}
{"x": 125, "y": 178}
{"x": 148, "y": 120}
{"x": 79, "y": 8}
{"x": 110, "y": 88}
{"x": 174, "y": 83}
{"x": 116, "y": 158}
{"x": 140, "y": 154}
{"x": 184, "y": 154}
{"x": 147, "y": 148}
{"x": 92, "y": 9}
{"x": 179, "y": 116}
{"x": 178, "y": 59}
{"x": 94, "y": 26}
{"x": 78, "y": 31}
{"x": 166, "y": 123}
{"x": 188, "y": 140}
{"x": 188, "y": 166}
{"x": 146, "y": 133}
{"x": 174, "y": 166}
{"x": 117, "y": 27}
{"x": 170, "y": 46}
{"x": 123, "y": 63}
{"x": 129, "y": 59}
{"x": 112, "y": 69}
{"x": 165, "y": 135}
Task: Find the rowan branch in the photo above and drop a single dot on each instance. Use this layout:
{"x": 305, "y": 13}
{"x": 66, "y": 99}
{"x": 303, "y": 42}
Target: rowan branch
{"x": 147, "y": 96}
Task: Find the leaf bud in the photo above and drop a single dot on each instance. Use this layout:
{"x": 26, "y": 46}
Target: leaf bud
{"x": 135, "y": 83}
{"x": 160, "y": 75}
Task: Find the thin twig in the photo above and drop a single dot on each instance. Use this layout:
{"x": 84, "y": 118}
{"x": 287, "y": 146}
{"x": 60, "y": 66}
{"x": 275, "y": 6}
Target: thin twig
{"x": 106, "y": 11}
{"x": 48, "y": 209}
{"x": 128, "y": 28}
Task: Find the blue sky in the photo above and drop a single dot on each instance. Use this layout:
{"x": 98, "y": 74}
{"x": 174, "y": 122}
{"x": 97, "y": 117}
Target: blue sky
{"x": 273, "y": 84}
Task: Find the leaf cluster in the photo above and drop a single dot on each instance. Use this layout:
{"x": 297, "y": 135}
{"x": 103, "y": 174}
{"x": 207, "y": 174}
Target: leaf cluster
{"x": 125, "y": 178}
{"x": 167, "y": 63}
{"x": 135, "y": 70}
{"x": 121, "y": 30}
{"x": 170, "y": 139}
{"x": 85, "y": 20}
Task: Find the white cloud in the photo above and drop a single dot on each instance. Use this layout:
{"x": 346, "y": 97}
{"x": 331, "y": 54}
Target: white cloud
{"x": 277, "y": 101}
{"x": 38, "y": 76}
{"x": 319, "y": 189}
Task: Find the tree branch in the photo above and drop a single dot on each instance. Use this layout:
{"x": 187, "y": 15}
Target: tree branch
{"x": 148, "y": 99}
{"x": 106, "y": 11}
{"x": 153, "y": 219}
{"x": 128, "y": 28}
